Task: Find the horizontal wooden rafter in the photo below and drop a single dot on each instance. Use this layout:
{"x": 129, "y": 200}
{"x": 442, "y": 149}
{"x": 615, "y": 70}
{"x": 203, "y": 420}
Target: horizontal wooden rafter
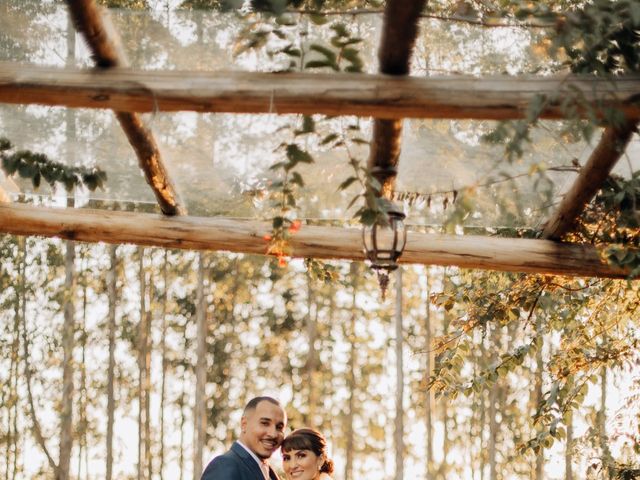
{"x": 381, "y": 96}
{"x": 244, "y": 236}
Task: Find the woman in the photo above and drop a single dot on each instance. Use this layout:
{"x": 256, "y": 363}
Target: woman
{"x": 304, "y": 456}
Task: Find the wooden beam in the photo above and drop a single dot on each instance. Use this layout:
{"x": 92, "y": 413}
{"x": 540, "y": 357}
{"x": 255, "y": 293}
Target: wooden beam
{"x": 610, "y": 148}
{"x": 399, "y": 32}
{"x": 457, "y": 97}
{"x": 104, "y": 43}
{"x": 197, "y": 233}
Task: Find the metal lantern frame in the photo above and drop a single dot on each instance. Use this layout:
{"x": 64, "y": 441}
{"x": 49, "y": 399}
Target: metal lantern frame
{"x": 384, "y": 258}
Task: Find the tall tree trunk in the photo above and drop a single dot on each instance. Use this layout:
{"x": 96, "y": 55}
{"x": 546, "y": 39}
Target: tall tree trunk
{"x": 399, "y": 419}
{"x": 165, "y": 363}
{"x": 428, "y": 368}
{"x": 141, "y": 363}
{"x": 568, "y": 454}
{"x": 68, "y": 333}
{"x": 112, "y": 279}
{"x": 494, "y": 398}
{"x": 351, "y": 382}
{"x": 483, "y": 401}
{"x": 199, "y": 414}
{"x": 183, "y": 422}
{"x": 83, "y": 400}
{"x": 603, "y": 440}
{"x": 12, "y": 451}
{"x": 147, "y": 378}
{"x": 443, "y": 468}
{"x": 538, "y": 396}
{"x": 493, "y": 432}
{"x": 68, "y": 329}
{"x": 312, "y": 357}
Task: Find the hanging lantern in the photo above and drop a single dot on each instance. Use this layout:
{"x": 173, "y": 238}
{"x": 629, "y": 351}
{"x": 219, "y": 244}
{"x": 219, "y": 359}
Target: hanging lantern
{"x": 383, "y": 245}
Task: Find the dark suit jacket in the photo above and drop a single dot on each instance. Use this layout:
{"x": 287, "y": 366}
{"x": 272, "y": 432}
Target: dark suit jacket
{"x": 236, "y": 464}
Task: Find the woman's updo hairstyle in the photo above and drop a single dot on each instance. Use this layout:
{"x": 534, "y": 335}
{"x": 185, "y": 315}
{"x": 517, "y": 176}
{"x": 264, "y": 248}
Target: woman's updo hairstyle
{"x": 309, "y": 439}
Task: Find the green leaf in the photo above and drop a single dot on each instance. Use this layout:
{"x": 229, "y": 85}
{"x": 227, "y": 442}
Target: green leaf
{"x": 10, "y": 165}
{"x": 329, "y": 138}
{"x": 318, "y": 19}
{"x": 296, "y": 155}
{"x": 368, "y": 217}
{"x": 353, "y": 200}
{"x": 340, "y": 29}
{"x": 326, "y": 52}
{"x": 348, "y": 182}
{"x": 297, "y": 179}
{"x": 286, "y": 20}
{"x": 317, "y": 64}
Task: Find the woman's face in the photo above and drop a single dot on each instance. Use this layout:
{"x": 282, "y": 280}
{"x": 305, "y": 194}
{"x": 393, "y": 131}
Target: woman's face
{"x": 301, "y": 464}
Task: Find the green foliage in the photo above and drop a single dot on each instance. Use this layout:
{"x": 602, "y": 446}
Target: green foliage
{"x": 129, "y": 4}
{"x": 37, "y": 166}
{"x": 203, "y": 4}
{"x": 612, "y": 219}
{"x": 600, "y": 38}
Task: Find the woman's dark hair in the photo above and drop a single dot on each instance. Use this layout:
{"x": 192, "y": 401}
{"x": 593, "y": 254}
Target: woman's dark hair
{"x": 309, "y": 439}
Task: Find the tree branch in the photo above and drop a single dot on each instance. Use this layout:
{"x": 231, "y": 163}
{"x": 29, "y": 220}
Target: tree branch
{"x": 104, "y": 44}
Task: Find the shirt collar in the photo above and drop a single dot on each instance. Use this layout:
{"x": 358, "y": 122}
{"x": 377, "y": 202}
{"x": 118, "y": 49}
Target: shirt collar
{"x": 253, "y": 455}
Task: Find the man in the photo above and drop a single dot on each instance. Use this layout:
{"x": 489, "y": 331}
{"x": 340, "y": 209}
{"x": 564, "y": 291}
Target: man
{"x": 262, "y": 431}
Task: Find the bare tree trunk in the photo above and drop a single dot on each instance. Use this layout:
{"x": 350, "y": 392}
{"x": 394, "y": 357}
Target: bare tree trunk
{"x": 493, "y": 432}
{"x": 12, "y": 451}
{"x": 568, "y": 454}
{"x": 312, "y": 360}
{"x": 68, "y": 329}
{"x": 351, "y": 383}
{"x": 183, "y": 421}
{"x": 428, "y": 406}
{"x": 483, "y": 398}
{"x": 147, "y": 379}
{"x": 141, "y": 364}
{"x": 199, "y": 414}
{"x": 399, "y": 419}
{"x": 538, "y": 397}
{"x": 112, "y": 279}
{"x": 603, "y": 440}
{"x": 68, "y": 333}
{"x": 165, "y": 363}
{"x": 83, "y": 400}
{"x": 443, "y": 468}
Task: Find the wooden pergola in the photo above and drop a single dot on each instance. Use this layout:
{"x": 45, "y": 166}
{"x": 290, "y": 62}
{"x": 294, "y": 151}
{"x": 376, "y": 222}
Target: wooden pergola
{"x": 388, "y": 96}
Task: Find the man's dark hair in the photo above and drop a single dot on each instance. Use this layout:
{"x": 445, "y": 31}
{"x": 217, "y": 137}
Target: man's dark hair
{"x": 253, "y": 403}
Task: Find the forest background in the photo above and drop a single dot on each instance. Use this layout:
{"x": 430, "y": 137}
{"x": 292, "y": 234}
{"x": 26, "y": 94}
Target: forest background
{"x": 133, "y": 362}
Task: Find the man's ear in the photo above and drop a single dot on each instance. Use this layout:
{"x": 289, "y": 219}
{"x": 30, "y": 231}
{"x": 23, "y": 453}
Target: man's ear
{"x": 243, "y": 424}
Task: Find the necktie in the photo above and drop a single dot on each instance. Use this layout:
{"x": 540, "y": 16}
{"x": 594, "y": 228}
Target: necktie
{"x": 265, "y": 469}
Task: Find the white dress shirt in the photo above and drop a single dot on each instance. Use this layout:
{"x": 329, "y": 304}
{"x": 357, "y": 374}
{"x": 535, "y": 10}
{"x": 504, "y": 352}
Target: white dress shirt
{"x": 264, "y": 466}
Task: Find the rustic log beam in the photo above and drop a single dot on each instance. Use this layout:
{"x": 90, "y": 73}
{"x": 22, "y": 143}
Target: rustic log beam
{"x": 104, "y": 44}
{"x": 244, "y": 236}
{"x": 399, "y": 32}
{"x": 610, "y": 148}
{"x": 458, "y": 97}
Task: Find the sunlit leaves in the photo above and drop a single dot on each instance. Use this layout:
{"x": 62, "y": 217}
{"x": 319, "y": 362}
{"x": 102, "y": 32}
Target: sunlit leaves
{"x": 37, "y": 167}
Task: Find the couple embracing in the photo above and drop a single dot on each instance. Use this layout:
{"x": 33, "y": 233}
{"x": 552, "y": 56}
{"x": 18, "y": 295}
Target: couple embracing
{"x": 304, "y": 451}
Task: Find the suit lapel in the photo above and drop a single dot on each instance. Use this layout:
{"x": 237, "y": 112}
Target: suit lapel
{"x": 272, "y": 474}
{"x": 249, "y": 461}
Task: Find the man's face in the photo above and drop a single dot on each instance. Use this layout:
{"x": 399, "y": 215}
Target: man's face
{"x": 263, "y": 429}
